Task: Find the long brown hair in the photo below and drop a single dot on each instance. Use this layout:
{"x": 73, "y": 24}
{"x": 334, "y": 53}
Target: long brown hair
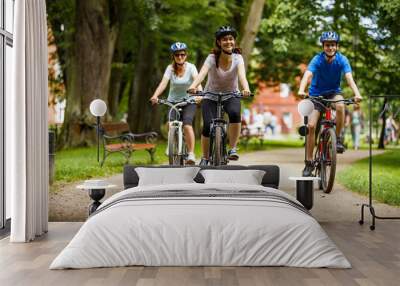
{"x": 217, "y": 52}
{"x": 175, "y": 65}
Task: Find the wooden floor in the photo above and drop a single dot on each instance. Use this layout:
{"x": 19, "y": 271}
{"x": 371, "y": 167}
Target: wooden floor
{"x": 374, "y": 255}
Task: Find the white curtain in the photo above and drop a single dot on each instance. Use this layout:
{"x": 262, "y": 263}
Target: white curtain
{"x": 26, "y": 121}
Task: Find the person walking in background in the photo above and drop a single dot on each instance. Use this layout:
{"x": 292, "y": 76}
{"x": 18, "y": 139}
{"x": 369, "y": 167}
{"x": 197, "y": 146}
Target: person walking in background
{"x": 267, "y": 119}
{"x": 356, "y": 122}
{"x": 274, "y": 123}
{"x": 180, "y": 74}
{"x": 390, "y": 130}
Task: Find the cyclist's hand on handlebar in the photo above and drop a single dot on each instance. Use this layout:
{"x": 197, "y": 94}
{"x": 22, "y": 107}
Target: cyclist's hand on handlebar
{"x": 357, "y": 99}
{"x": 154, "y": 100}
{"x": 198, "y": 99}
{"x": 192, "y": 91}
{"x": 246, "y": 93}
{"x": 302, "y": 94}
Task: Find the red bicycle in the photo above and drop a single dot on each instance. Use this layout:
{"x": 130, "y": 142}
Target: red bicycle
{"x": 325, "y": 152}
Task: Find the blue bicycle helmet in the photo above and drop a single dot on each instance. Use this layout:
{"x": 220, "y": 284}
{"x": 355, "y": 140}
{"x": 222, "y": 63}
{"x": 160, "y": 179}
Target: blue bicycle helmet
{"x": 225, "y": 30}
{"x": 329, "y": 36}
{"x": 178, "y": 46}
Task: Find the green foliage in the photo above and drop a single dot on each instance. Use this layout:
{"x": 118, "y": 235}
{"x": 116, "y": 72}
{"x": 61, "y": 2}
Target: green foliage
{"x": 287, "y": 38}
{"x": 385, "y": 179}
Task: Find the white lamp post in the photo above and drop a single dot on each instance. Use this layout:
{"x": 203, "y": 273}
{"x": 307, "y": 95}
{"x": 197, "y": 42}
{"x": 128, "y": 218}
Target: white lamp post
{"x": 98, "y": 108}
{"x": 305, "y": 108}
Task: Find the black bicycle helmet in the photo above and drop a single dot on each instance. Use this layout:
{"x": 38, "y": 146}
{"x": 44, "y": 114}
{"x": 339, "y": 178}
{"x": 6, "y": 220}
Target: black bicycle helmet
{"x": 225, "y": 30}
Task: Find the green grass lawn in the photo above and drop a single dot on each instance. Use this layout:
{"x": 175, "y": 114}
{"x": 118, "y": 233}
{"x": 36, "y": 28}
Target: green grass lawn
{"x": 78, "y": 164}
{"x": 385, "y": 179}
{"x": 81, "y": 163}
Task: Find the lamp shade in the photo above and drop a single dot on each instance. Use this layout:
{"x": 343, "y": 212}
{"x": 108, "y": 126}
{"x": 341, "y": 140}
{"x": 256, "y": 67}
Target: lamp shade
{"x": 305, "y": 107}
{"x": 98, "y": 107}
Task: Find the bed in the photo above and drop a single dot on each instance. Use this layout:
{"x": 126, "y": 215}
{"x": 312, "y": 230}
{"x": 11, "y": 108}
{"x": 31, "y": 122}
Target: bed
{"x": 201, "y": 223}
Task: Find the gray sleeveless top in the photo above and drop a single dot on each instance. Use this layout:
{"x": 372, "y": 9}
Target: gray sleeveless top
{"x": 222, "y": 81}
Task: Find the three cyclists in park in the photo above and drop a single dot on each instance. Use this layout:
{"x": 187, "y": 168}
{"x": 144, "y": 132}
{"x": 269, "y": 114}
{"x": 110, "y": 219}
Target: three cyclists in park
{"x": 225, "y": 70}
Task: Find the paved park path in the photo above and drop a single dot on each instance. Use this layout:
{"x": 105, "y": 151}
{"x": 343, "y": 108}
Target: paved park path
{"x": 70, "y": 204}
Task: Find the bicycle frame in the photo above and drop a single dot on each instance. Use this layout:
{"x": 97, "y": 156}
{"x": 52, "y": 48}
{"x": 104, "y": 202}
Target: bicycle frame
{"x": 326, "y": 123}
{"x": 325, "y": 155}
{"x": 215, "y": 122}
{"x": 176, "y": 124}
{"x": 219, "y": 121}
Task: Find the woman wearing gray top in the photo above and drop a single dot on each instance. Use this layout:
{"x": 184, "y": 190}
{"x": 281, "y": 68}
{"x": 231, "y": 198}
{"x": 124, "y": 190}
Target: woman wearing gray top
{"x": 225, "y": 68}
{"x": 180, "y": 74}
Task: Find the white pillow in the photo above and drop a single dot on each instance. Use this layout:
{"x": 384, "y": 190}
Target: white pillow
{"x": 166, "y": 176}
{"x": 248, "y": 177}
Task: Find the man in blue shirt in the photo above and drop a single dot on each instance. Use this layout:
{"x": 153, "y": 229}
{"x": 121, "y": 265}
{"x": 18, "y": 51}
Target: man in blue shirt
{"x": 326, "y": 70}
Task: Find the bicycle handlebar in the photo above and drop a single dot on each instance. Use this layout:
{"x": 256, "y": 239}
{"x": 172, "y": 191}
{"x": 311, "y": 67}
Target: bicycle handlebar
{"x": 177, "y": 104}
{"x": 219, "y": 94}
{"x": 174, "y": 106}
{"x": 324, "y": 100}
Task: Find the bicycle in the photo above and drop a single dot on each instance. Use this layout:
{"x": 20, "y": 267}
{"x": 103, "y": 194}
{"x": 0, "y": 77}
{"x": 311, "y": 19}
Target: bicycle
{"x": 218, "y": 134}
{"x": 325, "y": 152}
{"x": 177, "y": 150}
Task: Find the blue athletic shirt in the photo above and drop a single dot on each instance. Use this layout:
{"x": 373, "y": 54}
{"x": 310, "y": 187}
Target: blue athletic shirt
{"x": 327, "y": 76}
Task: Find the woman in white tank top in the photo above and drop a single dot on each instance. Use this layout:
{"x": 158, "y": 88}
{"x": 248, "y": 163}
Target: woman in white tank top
{"x": 225, "y": 69}
{"x": 180, "y": 74}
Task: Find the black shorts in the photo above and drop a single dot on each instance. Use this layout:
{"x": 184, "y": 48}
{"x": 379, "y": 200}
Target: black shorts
{"x": 209, "y": 110}
{"x": 186, "y": 115}
{"x": 320, "y": 106}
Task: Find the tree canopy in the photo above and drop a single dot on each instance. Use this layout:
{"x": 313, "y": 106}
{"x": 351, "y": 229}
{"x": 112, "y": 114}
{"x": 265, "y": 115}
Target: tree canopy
{"x": 126, "y": 45}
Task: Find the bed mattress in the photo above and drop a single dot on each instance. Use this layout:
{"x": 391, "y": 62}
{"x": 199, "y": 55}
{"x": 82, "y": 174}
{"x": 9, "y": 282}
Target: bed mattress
{"x": 201, "y": 225}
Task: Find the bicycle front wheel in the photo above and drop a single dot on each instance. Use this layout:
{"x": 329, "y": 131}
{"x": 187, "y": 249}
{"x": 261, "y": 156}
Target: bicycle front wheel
{"x": 217, "y": 151}
{"x": 328, "y": 160}
{"x": 175, "y": 159}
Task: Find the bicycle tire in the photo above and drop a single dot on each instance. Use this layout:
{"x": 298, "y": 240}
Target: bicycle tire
{"x": 173, "y": 146}
{"x": 217, "y": 153}
{"x": 328, "y": 162}
{"x": 184, "y": 153}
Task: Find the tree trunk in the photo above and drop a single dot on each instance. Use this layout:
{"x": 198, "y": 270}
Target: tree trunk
{"x": 142, "y": 117}
{"x": 250, "y": 28}
{"x": 89, "y": 69}
{"x": 116, "y": 81}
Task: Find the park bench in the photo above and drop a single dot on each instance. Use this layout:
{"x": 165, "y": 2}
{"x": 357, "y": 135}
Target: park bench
{"x": 117, "y": 137}
{"x": 246, "y": 135}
